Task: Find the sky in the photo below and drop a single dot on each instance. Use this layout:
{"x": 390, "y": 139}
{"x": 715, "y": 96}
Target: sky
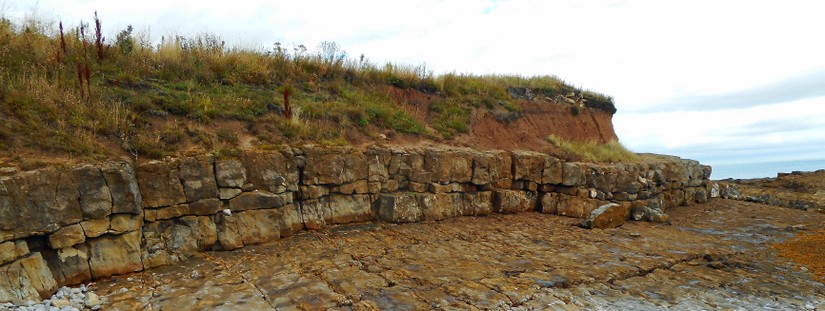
{"x": 722, "y": 82}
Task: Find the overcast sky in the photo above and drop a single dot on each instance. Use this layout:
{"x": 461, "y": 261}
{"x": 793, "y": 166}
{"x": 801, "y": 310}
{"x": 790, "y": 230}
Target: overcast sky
{"x": 718, "y": 81}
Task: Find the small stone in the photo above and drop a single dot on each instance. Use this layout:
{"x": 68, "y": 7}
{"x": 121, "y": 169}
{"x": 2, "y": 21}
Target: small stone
{"x": 60, "y": 303}
{"x": 227, "y": 212}
{"x": 92, "y": 300}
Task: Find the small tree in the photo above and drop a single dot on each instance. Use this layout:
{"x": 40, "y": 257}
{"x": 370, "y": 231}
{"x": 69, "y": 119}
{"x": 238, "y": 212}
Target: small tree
{"x": 125, "y": 41}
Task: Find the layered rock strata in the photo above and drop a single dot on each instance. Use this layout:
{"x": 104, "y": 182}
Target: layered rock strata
{"x": 64, "y": 226}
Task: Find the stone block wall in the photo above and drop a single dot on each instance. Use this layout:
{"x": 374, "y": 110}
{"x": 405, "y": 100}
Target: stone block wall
{"x": 63, "y": 226}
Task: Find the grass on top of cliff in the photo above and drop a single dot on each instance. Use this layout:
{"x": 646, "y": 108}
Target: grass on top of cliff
{"x": 594, "y": 151}
{"x": 67, "y": 90}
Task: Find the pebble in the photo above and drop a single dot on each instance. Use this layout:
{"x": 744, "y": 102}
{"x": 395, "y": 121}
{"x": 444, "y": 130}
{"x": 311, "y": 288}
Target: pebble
{"x": 65, "y": 299}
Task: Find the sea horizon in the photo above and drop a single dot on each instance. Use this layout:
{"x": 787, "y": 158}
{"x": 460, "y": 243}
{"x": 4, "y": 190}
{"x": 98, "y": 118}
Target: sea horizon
{"x": 763, "y": 169}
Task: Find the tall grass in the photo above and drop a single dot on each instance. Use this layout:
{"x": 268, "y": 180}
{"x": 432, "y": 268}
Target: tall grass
{"x": 594, "y": 151}
{"x": 57, "y": 79}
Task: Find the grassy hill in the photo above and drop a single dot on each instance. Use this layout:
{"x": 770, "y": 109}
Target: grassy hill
{"x": 68, "y": 91}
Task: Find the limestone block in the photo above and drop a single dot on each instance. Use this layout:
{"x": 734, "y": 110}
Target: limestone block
{"x": 170, "y": 241}
{"x": 400, "y": 207}
{"x": 159, "y": 183}
{"x": 95, "y": 198}
{"x": 290, "y": 220}
{"x": 259, "y": 200}
{"x": 26, "y": 279}
{"x": 67, "y": 236}
{"x": 192, "y": 234}
{"x": 228, "y": 193}
{"x": 576, "y": 207}
{"x": 198, "y": 178}
{"x": 38, "y": 202}
{"x": 12, "y": 250}
{"x": 448, "y": 165}
{"x": 315, "y": 213}
{"x": 573, "y": 175}
{"x": 123, "y": 186}
{"x": 444, "y": 205}
{"x": 69, "y": 265}
{"x": 609, "y": 215}
{"x": 648, "y": 213}
{"x": 549, "y": 203}
{"x": 115, "y": 254}
{"x": 273, "y": 171}
{"x": 93, "y": 228}
{"x": 378, "y": 162}
{"x": 602, "y": 178}
{"x": 334, "y": 166}
{"x": 314, "y": 192}
{"x": 205, "y": 207}
{"x": 714, "y": 190}
{"x": 513, "y": 201}
{"x": 552, "y": 173}
{"x": 528, "y": 165}
{"x": 359, "y": 187}
{"x": 417, "y": 187}
{"x": 248, "y": 227}
{"x": 350, "y": 209}
{"x": 701, "y": 195}
{"x": 122, "y": 223}
{"x": 230, "y": 173}
{"x": 477, "y": 203}
{"x": 169, "y": 212}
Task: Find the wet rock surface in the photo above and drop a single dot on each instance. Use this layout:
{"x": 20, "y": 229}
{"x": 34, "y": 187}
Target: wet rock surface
{"x": 715, "y": 255}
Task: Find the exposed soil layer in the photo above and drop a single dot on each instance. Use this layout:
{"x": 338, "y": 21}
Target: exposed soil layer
{"x": 538, "y": 120}
{"x": 713, "y": 256}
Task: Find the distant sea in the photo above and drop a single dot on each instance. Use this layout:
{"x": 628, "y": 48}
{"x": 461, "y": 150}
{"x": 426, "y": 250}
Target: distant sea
{"x": 763, "y": 169}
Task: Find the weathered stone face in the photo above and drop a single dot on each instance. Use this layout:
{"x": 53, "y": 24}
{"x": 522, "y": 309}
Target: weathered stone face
{"x": 118, "y": 254}
{"x": 528, "y": 166}
{"x": 513, "y": 201}
{"x": 572, "y": 174}
{"x": 198, "y": 177}
{"x": 95, "y": 198}
{"x": 259, "y": 200}
{"x": 170, "y": 241}
{"x": 230, "y": 173}
{"x": 378, "y": 163}
{"x": 273, "y": 171}
{"x": 334, "y": 166}
{"x": 26, "y": 279}
{"x": 576, "y": 207}
{"x": 69, "y": 265}
{"x": 94, "y": 216}
{"x": 449, "y": 165}
{"x": 248, "y": 227}
{"x": 93, "y": 228}
{"x": 402, "y": 207}
{"x": 552, "y": 173}
{"x": 126, "y": 197}
{"x": 350, "y": 209}
{"x": 477, "y": 203}
{"x": 12, "y": 250}
{"x": 610, "y": 215}
{"x": 492, "y": 167}
{"x": 159, "y": 184}
{"x": 67, "y": 236}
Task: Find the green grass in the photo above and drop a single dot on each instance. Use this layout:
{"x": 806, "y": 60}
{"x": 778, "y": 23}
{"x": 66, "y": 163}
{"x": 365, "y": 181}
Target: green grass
{"x": 198, "y": 80}
{"x": 593, "y": 151}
